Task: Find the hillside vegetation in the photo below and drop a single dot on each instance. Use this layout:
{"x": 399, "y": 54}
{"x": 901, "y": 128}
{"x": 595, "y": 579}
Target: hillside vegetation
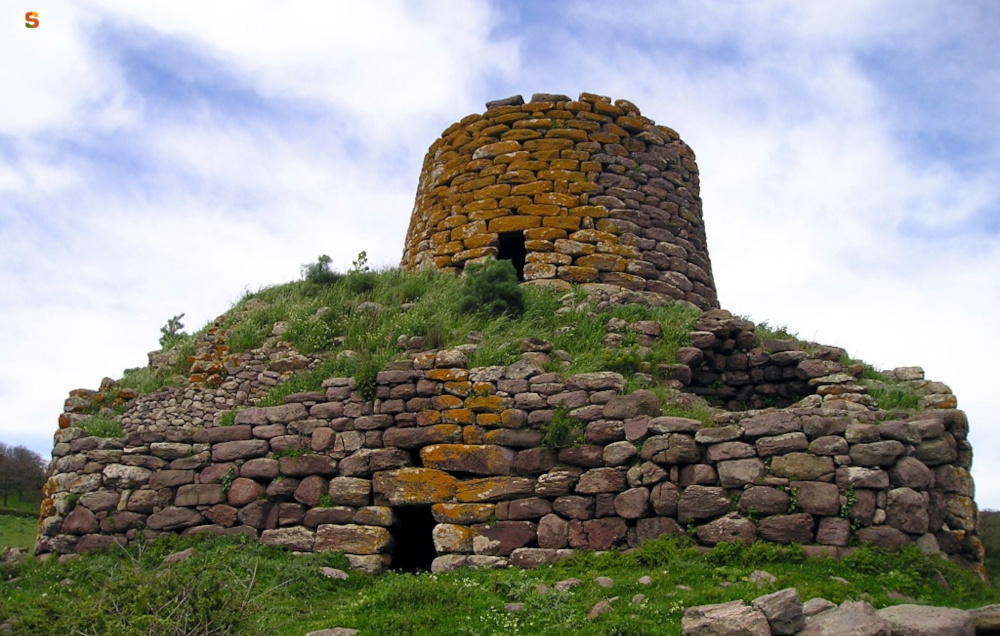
{"x": 353, "y": 323}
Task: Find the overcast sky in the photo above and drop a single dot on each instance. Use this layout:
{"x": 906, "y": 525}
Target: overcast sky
{"x": 163, "y": 157}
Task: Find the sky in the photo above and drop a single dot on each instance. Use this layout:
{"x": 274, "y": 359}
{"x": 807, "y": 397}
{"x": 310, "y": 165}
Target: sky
{"x": 161, "y": 157}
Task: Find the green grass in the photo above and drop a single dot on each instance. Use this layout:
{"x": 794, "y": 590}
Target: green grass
{"x": 102, "y": 426}
{"x": 240, "y": 587}
{"x": 18, "y": 531}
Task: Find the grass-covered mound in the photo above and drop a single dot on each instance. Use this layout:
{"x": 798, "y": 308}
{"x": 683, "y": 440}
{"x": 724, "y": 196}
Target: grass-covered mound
{"x": 353, "y": 322}
{"x": 234, "y": 586}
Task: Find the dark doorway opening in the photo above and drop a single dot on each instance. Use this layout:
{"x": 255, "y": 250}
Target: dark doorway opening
{"x": 511, "y": 248}
{"x": 414, "y": 543}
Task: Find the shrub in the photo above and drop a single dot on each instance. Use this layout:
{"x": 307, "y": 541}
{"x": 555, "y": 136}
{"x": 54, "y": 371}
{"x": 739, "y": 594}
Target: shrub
{"x": 320, "y": 272}
{"x": 492, "y": 288}
{"x": 562, "y": 430}
{"x": 171, "y": 332}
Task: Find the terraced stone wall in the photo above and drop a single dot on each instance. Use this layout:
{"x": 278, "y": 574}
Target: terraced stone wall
{"x": 572, "y": 191}
{"x": 447, "y": 467}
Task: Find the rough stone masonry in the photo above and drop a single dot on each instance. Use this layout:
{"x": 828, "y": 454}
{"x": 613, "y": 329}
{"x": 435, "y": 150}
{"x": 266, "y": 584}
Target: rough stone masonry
{"x": 446, "y": 466}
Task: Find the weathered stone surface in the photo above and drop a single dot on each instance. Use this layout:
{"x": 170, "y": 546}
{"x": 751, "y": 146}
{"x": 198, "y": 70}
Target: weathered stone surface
{"x": 503, "y": 537}
{"x": 552, "y": 532}
{"x": 601, "y": 480}
{"x": 559, "y": 481}
{"x": 642, "y": 402}
{"x": 938, "y": 451}
{"x": 770, "y": 424}
{"x": 921, "y": 620}
{"x": 651, "y": 527}
{"x": 850, "y": 619}
{"x": 732, "y": 527}
{"x": 493, "y": 489}
{"x": 817, "y": 498}
{"x": 533, "y": 557}
{"x": 702, "y": 502}
{"x": 462, "y": 513}
{"x": 911, "y": 473}
{"x": 783, "y": 611}
{"x": 876, "y": 453}
{"x": 479, "y": 460}
{"x": 884, "y": 537}
{"x": 350, "y": 491}
{"x": 597, "y": 534}
{"x": 663, "y": 425}
{"x": 306, "y": 465}
{"x": 574, "y": 507}
{"x": 243, "y": 491}
{"x": 906, "y": 510}
{"x": 413, "y": 486}
{"x": 633, "y": 503}
{"x": 674, "y": 448}
{"x": 740, "y": 472}
{"x": 833, "y": 531}
{"x": 80, "y": 521}
{"x": 243, "y": 449}
{"x": 860, "y": 477}
{"x": 352, "y": 539}
{"x": 122, "y": 477}
{"x": 368, "y": 461}
{"x": 830, "y": 445}
{"x": 174, "y": 519}
{"x": 295, "y": 538}
{"x": 452, "y": 538}
{"x": 801, "y": 466}
{"x": 762, "y": 500}
{"x": 781, "y": 444}
{"x": 724, "y": 619}
{"x": 199, "y": 495}
{"x": 729, "y": 450}
{"x": 664, "y": 498}
{"x": 793, "y": 528}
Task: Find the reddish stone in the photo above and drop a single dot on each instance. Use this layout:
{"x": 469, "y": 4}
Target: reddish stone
{"x": 311, "y": 490}
{"x": 243, "y": 491}
{"x": 503, "y": 537}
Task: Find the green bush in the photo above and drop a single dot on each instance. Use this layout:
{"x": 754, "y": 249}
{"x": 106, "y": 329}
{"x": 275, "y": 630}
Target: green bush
{"x": 562, "y": 430}
{"x": 319, "y": 272}
{"x": 491, "y": 288}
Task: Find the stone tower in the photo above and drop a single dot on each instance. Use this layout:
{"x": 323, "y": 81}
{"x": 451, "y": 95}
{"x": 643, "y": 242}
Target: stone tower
{"x": 570, "y": 191}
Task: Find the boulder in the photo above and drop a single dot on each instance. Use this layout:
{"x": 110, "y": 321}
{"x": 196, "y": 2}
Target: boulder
{"x": 921, "y": 620}
{"x": 724, "y": 619}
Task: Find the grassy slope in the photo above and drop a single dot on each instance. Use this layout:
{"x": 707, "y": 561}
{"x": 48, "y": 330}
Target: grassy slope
{"x": 19, "y": 522}
{"x": 245, "y": 588}
{"x": 249, "y": 589}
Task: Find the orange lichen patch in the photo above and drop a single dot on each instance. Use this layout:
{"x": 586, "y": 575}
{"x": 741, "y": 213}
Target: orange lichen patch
{"x": 576, "y": 274}
{"x": 448, "y": 375}
{"x": 544, "y": 234}
{"x": 424, "y": 360}
{"x": 485, "y": 403}
{"x": 562, "y": 222}
{"x": 468, "y": 458}
{"x": 473, "y": 434}
{"x": 488, "y": 419}
{"x": 602, "y": 262}
{"x": 442, "y": 402}
{"x": 415, "y": 486}
{"x": 460, "y": 389}
{"x": 457, "y": 416}
{"x": 483, "y": 388}
{"x": 428, "y": 418}
{"x": 467, "y": 513}
{"x": 64, "y": 420}
{"x": 514, "y": 223}
{"x": 494, "y": 489}
{"x": 352, "y": 539}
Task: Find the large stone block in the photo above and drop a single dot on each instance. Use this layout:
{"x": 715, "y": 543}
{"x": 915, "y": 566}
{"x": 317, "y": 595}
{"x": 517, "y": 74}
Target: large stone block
{"x": 353, "y": 539}
{"x": 413, "y": 486}
{"x": 467, "y": 458}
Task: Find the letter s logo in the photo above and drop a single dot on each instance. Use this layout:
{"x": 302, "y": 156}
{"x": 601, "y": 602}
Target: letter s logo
{"x": 31, "y": 19}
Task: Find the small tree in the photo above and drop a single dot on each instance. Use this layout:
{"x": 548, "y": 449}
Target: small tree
{"x": 492, "y": 288}
{"x": 22, "y": 472}
{"x": 320, "y": 272}
{"x": 171, "y": 332}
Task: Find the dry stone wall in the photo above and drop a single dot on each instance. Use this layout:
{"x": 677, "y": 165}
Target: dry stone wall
{"x": 454, "y": 458}
{"x": 572, "y": 191}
